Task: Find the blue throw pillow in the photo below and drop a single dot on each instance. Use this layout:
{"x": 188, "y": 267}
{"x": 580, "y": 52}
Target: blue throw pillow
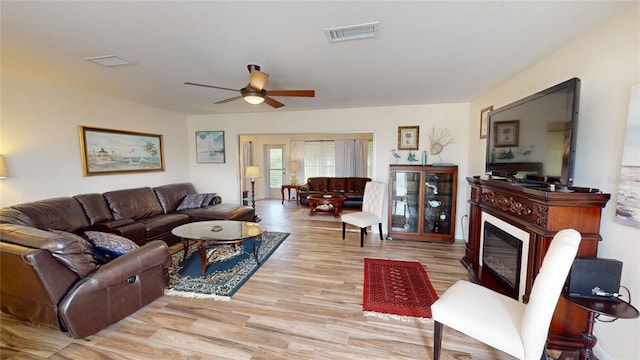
{"x": 192, "y": 201}
{"x": 110, "y": 245}
{"x": 208, "y": 199}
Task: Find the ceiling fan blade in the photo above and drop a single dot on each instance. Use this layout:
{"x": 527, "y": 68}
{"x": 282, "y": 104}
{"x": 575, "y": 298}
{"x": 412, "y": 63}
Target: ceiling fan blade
{"x": 273, "y": 102}
{"x": 258, "y": 79}
{"x": 211, "y": 86}
{"x": 228, "y": 100}
{"x": 301, "y": 93}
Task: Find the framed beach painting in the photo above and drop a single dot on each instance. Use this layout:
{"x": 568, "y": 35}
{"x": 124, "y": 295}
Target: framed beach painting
{"x": 210, "y": 147}
{"x": 108, "y": 151}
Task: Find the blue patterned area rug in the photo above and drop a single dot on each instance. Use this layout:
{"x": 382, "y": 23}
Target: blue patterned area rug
{"x": 229, "y": 268}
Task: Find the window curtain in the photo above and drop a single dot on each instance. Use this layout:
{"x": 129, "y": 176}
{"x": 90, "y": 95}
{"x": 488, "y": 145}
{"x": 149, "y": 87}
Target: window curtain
{"x": 297, "y": 155}
{"x": 351, "y": 157}
{"x": 319, "y": 158}
{"x": 245, "y": 160}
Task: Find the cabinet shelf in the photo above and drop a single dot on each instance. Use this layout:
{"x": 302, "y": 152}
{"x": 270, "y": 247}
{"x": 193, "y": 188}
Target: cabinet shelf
{"x": 411, "y": 216}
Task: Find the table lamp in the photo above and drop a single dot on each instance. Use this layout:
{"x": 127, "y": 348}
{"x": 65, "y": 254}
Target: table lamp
{"x": 294, "y": 166}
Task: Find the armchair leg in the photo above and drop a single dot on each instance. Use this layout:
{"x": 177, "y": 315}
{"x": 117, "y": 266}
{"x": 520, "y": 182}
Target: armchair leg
{"x": 344, "y": 227}
{"x": 380, "y": 229}
{"x": 437, "y": 339}
{"x": 362, "y": 232}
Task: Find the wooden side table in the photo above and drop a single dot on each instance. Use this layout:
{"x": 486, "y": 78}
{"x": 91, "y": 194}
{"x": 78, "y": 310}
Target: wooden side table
{"x": 289, "y": 187}
{"x": 615, "y": 309}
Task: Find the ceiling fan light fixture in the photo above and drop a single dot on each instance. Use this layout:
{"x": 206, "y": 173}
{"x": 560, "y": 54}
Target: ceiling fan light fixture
{"x": 253, "y": 96}
{"x": 253, "y": 99}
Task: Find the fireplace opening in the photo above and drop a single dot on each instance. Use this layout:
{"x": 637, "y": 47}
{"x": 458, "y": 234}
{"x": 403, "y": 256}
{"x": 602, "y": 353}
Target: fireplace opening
{"x": 501, "y": 256}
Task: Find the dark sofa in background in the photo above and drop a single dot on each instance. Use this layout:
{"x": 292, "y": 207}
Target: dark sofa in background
{"x": 352, "y": 188}
{"x": 49, "y": 277}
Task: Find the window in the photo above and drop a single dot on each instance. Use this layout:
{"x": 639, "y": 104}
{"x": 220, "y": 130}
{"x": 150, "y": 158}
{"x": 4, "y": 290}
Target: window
{"x": 319, "y": 158}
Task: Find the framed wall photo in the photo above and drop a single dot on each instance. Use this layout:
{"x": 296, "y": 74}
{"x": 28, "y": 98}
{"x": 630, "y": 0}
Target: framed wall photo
{"x": 107, "y": 151}
{"x": 408, "y": 137}
{"x": 484, "y": 113}
{"x": 210, "y": 147}
{"x": 506, "y": 133}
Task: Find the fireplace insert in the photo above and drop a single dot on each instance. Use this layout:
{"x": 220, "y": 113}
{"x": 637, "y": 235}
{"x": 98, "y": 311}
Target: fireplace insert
{"x": 502, "y": 256}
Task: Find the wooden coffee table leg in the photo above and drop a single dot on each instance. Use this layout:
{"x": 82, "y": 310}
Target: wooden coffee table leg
{"x": 338, "y": 209}
{"x": 202, "y": 250}
{"x": 185, "y": 247}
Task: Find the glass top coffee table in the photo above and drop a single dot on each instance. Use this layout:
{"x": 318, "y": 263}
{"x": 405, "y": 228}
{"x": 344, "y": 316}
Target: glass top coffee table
{"x": 218, "y": 232}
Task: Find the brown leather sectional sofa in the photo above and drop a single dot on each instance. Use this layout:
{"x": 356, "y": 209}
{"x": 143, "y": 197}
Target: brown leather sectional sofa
{"x": 45, "y": 274}
{"x": 352, "y": 188}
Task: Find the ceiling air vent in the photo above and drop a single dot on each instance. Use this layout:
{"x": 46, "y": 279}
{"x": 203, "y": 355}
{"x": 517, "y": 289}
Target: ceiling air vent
{"x": 110, "y": 60}
{"x": 352, "y": 32}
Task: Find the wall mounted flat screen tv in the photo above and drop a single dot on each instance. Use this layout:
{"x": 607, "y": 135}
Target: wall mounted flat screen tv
{"x": 533, "y": 140}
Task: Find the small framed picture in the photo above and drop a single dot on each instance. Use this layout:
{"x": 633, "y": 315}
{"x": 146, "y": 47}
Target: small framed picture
{"x": 484, "y": 113}
{"x": 506, "y": 133}
{"x": 210, "y": 147}
{"x": 408, "y": 137}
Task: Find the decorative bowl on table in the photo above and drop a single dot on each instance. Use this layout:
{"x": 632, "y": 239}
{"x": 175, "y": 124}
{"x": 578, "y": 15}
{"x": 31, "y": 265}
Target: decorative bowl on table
{"x": 216, "y": 228}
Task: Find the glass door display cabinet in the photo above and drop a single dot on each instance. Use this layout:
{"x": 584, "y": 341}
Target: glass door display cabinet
{"x": 422, "y": 202}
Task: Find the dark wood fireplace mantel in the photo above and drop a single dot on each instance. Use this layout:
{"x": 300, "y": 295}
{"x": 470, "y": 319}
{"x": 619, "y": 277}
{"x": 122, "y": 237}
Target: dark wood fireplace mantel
{"x": 541, "y": 213}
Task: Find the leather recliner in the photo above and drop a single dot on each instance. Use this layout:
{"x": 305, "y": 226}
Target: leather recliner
{"x": 47, "y": 280}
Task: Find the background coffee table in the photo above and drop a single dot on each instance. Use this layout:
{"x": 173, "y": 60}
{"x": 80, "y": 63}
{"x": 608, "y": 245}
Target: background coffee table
{"x": 218, "y": 232}
{"x": 328, "y": 205}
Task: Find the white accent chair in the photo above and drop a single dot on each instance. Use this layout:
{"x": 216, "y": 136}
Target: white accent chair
{"x": 372, "y": 208}
{"x": 502, "y": 322}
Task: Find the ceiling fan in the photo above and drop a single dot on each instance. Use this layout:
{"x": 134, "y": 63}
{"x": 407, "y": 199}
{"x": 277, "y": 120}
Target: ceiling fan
{"x": 254, "y": 93}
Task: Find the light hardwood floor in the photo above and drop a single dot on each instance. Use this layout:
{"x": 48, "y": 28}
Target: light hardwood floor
{"x": 305, "y": 302}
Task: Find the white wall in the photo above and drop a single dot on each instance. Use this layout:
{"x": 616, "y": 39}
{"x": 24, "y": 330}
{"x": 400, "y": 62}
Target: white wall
{"x": 607, "y": 60}
{"x": 382, "y": 121}
{"x": 40, "y": 142}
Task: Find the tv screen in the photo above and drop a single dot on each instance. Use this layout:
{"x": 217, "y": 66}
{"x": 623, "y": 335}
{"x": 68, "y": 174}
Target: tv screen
{"x": 533, "y": 140}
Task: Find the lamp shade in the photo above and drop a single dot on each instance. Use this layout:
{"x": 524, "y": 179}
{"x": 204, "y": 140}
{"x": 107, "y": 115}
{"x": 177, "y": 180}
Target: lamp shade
{"x": 3, "y": 168}
{"x": 252, "y": 172}
{"x": 295, "y": 166}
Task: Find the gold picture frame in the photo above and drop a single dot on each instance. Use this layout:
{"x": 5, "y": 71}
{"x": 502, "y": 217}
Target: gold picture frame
{"x": 108, "y": 151}
{"x": 506, "y": 133}
{"x": 408, "y": 137}
{"x": 484, "y": 121}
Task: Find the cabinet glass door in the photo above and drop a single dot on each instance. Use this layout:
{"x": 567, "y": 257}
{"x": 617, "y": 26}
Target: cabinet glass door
{"x": 438, "y": 190}
{"x": 404, "y": 201}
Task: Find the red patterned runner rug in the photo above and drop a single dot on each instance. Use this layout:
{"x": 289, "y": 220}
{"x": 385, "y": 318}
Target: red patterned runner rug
{"x": 397, "y": 287}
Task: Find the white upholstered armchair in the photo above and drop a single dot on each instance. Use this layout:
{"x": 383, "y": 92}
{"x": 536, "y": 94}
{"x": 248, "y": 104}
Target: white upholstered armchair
{"x": 502, "y": 322}
{"x": 372, "y": 208}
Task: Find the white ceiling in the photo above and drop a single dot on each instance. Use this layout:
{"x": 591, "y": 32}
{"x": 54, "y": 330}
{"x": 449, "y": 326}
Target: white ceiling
{"x": 427, "y": 52}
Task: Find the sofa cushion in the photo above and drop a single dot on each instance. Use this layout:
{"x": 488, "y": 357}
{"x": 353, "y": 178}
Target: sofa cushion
{"x": 63, "y": 213}
{"x": 96, "y": 207}
{"x": 73, "y": 251}
{"x": 317, "y": 183}
{"x": 134, "y": 204}
{"x": 9, "y": 215}
{"x": 192, "y": 201}
{"x": 110, "y": 245}
{"x": 162, "y": 224}
{"x": 356, "y": 184}
{"x": 336, "y": 184}
{"x": 170, "y": 196}
{"x": 221, "y": 212}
